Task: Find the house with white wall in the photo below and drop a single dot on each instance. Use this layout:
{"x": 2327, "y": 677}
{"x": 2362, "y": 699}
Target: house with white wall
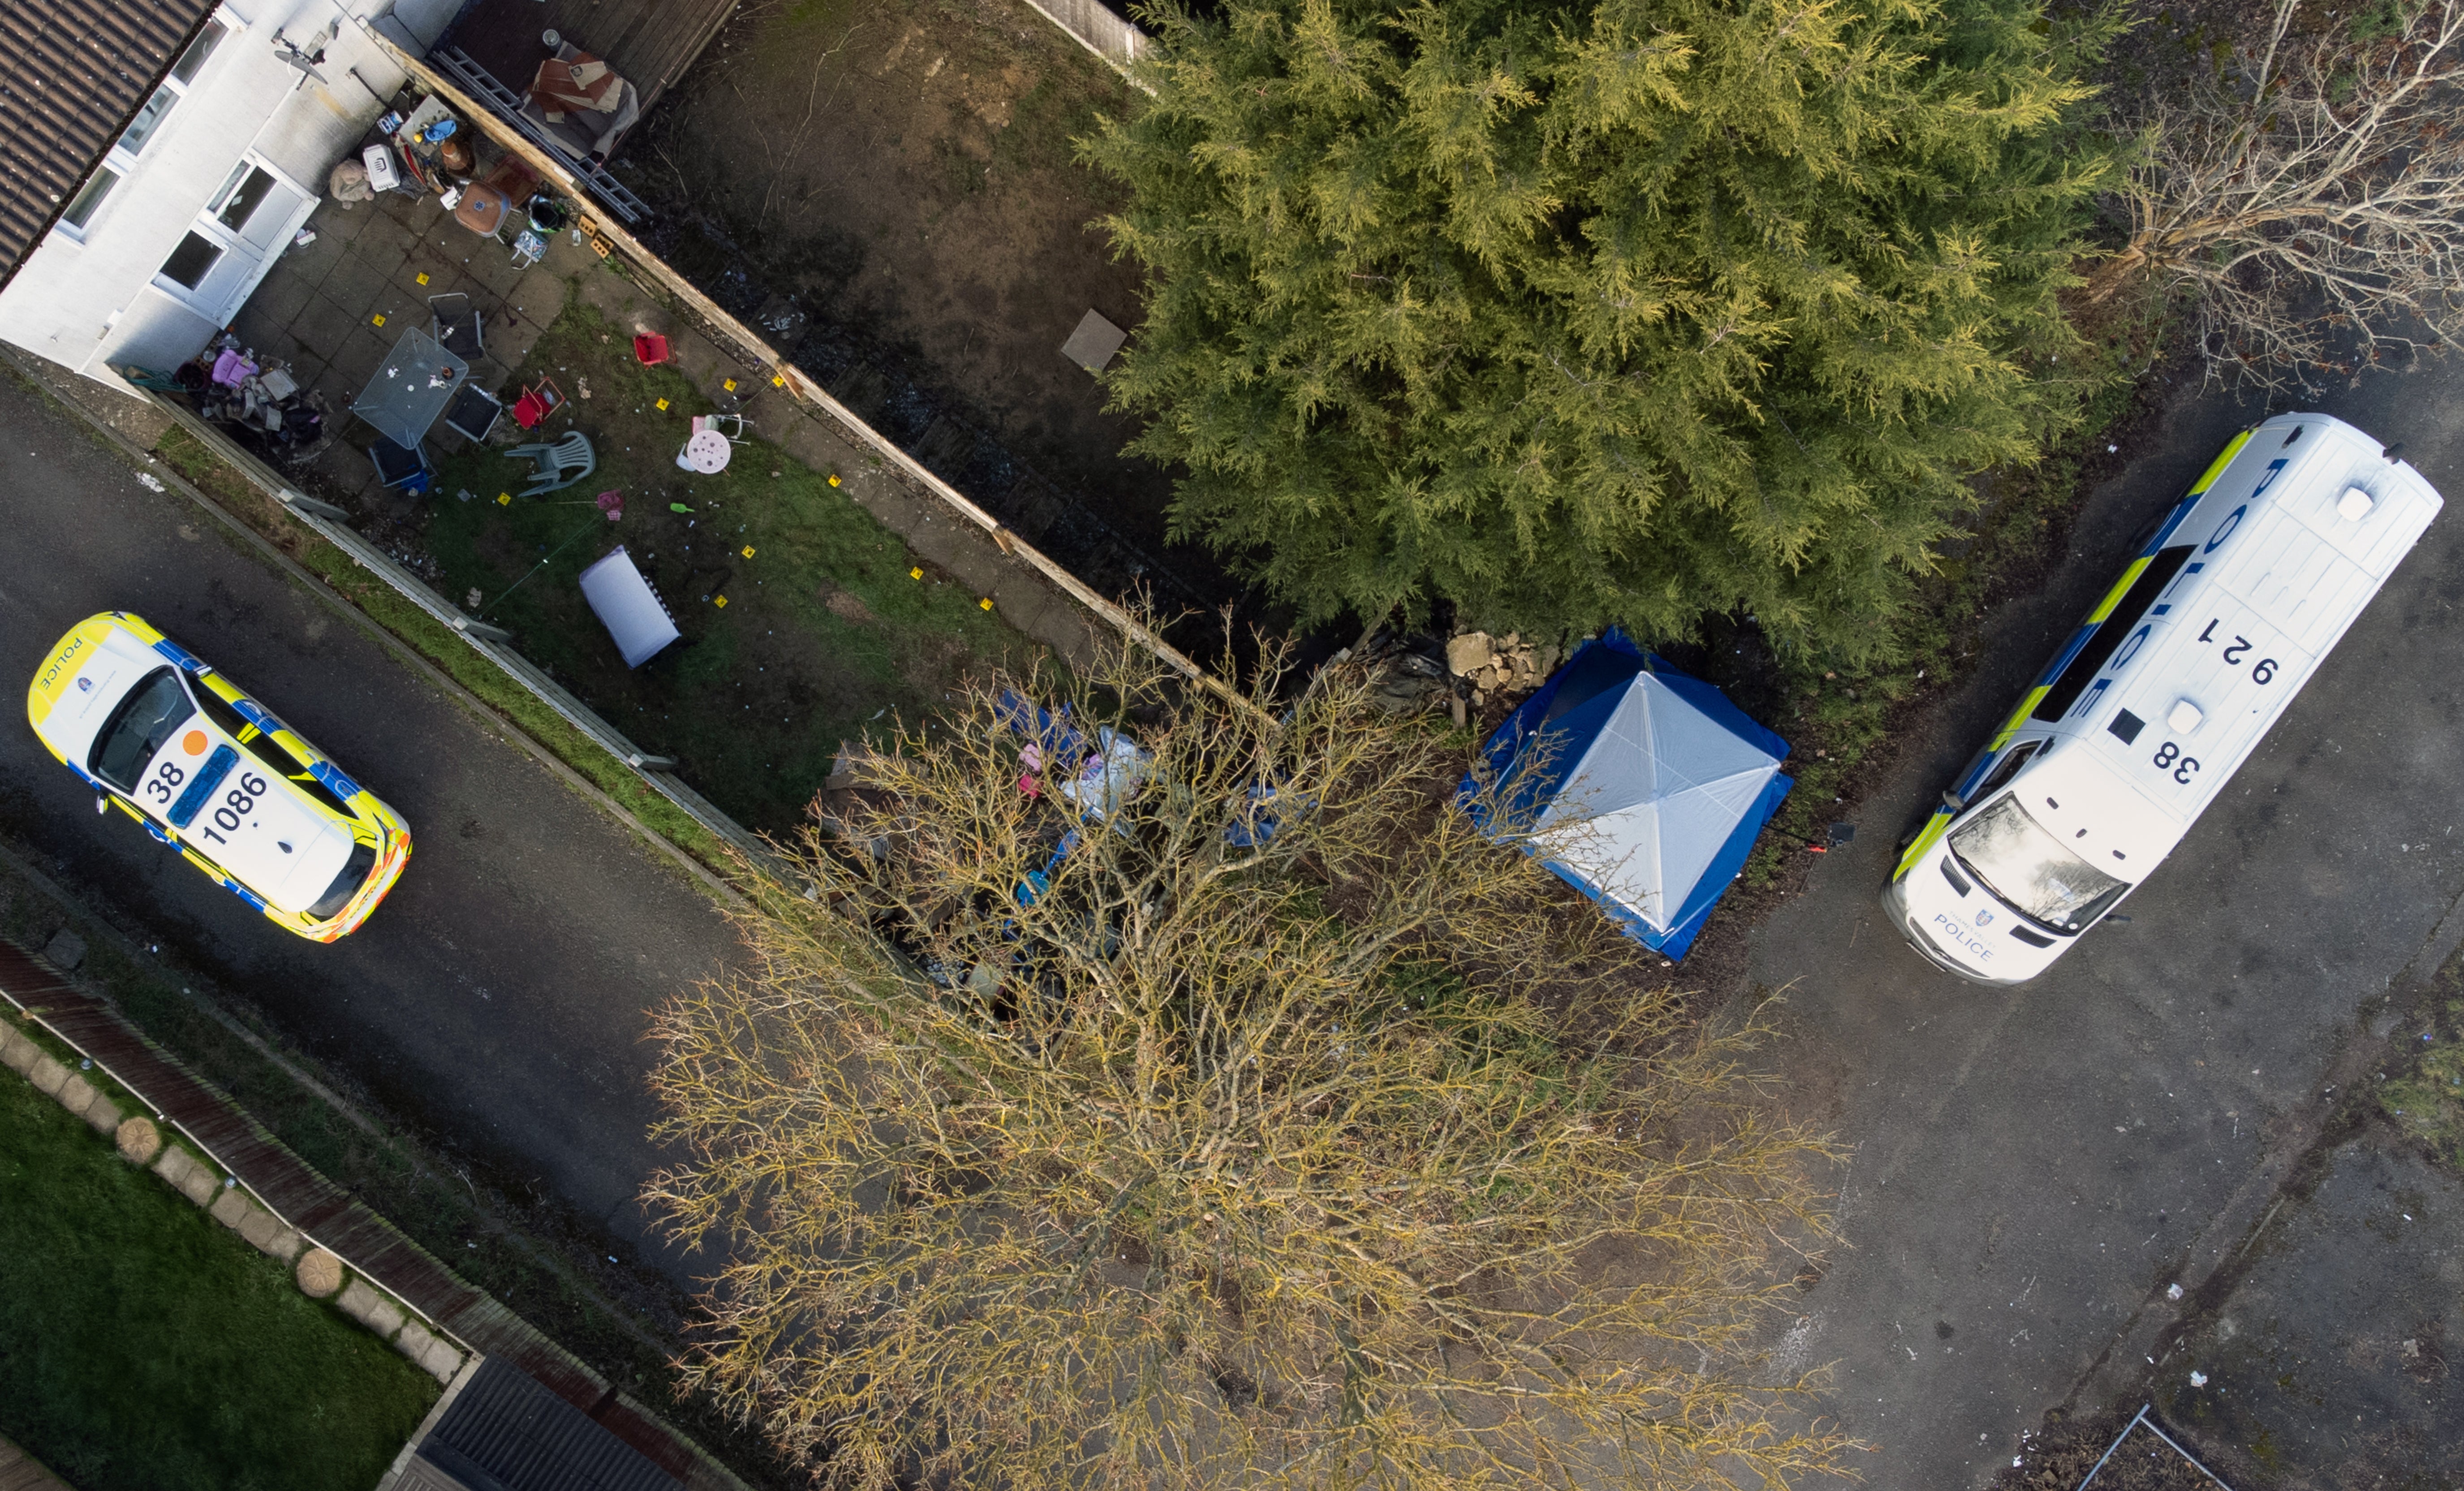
{"x": 157, "y": 156}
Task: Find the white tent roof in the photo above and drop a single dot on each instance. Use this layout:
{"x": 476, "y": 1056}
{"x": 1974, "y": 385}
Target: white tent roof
{"x": 1633, "y": 824}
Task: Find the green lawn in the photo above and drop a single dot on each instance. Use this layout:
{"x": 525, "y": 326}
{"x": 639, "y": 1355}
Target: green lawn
{"x": 824, "y": 631}
{"x": 145, "y": 1346}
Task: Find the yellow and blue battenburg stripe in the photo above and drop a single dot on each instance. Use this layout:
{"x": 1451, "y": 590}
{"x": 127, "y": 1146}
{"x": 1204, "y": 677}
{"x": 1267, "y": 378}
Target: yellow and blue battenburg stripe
{"x": 1939, "y": 821}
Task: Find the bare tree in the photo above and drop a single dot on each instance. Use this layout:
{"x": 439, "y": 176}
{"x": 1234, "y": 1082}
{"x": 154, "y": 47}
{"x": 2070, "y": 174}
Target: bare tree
{"x": 2312, "y": 206}
{"x": 1230, "y": 1111}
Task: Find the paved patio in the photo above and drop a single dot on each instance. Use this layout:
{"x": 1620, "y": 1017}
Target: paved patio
{"x": 333, "y": 308}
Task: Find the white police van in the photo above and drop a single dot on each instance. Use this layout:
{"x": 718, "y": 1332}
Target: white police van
{"x": 2165, "y": 689}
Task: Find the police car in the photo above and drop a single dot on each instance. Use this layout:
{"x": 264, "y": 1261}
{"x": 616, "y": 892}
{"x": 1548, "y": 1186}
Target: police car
{"x": 211, "y": 773}
{"x": 2232, "y": 604}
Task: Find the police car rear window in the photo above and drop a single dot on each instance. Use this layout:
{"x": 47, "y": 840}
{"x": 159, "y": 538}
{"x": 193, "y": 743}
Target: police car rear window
{"x": 137, "y": 728}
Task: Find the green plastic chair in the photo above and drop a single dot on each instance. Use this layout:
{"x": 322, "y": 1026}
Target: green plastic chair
{"x": 558, "y": 466}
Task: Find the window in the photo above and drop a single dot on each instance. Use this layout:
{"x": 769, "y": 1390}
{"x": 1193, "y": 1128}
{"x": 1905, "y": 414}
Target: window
{"x": 97, "y": 186}
{"x": 2032, "y": 871}
{"x": 121, "y": 159}
{"x": 185, "y": 71}
{"x": 2008, "y": 767}
{"x": 136, "y": 730}
{"x": 140, "y": 129}
{"x": 2106, "y": 638}
{"x": 237, "y": 202}
{"x": 347, "y": 885}
{"x": 188, "y": 263}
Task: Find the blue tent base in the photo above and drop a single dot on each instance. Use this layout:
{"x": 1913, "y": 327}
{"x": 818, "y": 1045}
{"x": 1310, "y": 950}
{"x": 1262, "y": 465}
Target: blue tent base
{"x": 1597, "y": 667}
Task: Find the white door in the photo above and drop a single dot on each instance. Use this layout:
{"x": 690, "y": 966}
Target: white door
{"x": 244, "y": 227}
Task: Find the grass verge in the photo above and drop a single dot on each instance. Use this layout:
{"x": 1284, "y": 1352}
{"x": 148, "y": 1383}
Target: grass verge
{"x": 2426, "y": 1097}
{"x": 523, "y": 1253}
{"x": 145, "y": 1346}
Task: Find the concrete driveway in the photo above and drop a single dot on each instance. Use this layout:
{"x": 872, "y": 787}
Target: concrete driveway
{"x": 498, "y": 997}
{"x": 2033, "y": 1166}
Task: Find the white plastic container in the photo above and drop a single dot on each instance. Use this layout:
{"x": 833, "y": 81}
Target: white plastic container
{"x": 382, "y": 174}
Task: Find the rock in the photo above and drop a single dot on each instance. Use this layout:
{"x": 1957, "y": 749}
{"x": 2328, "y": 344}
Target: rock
{"x": 1467, "y": 654}
{"x": 66, "y": 949}
{"x": 139, "y": 1140}
{"x": 320, "y": 1273}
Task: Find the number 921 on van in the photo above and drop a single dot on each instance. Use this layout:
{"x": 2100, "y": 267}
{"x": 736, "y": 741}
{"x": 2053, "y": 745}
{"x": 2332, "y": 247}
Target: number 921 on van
{"x": 2162, "y": 692}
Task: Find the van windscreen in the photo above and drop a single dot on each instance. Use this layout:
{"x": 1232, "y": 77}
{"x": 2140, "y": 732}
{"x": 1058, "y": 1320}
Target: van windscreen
{"x": 2031, "y": 870}
{"x": 2090, "y": 659}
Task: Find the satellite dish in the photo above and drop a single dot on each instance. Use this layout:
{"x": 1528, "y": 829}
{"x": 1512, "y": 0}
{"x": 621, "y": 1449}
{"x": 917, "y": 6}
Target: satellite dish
{"x": 292, "y": 54}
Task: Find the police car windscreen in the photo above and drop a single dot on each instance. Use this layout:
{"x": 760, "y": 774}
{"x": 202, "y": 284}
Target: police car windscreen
{"x": 2031, "y": 870}
{"x": 137, "y": 729}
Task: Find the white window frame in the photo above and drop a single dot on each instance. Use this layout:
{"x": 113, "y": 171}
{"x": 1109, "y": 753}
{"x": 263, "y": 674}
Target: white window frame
{"x": 122, "y": 163}
{"x": 208, "y": 226}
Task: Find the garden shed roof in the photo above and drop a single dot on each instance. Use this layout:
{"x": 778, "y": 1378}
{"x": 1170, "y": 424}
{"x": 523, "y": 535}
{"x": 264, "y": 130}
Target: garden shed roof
{"x": 72, "y": 76}
{"x": 503, "y": 1431}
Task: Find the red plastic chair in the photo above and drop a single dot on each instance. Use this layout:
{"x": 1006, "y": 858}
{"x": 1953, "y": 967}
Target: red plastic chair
{"x": 650, "y": 349}
{"x": 537, "y": 402}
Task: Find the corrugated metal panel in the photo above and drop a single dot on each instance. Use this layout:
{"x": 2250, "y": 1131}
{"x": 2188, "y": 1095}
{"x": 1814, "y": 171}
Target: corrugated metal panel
{"x": 72, "y": 75}
{"x": 517, "y": 1433}
{"x": 329, "y": 1214}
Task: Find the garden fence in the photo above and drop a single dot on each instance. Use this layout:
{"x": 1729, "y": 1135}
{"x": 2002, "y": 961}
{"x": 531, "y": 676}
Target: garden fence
{"x": 489, "y": 642}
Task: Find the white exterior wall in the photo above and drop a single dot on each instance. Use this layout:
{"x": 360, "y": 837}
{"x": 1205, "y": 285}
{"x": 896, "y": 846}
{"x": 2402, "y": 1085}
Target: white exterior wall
{"x": 94, "y": 303}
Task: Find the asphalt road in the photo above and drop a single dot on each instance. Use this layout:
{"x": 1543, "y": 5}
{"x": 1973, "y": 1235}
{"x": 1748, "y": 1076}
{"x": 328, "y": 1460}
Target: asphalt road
{"x": 498, "y": 996}
{"x": 2035, "y": 1166}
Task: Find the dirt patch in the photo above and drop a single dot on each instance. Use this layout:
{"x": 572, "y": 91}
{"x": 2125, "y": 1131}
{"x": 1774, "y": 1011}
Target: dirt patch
{"x": 2059, "y": 1458}
{"x": 886, "y": 187}
{"x": 846, "y": 604}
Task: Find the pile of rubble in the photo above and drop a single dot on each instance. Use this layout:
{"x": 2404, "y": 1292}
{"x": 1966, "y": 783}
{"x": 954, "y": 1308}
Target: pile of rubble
{"x": 1459, "y": 674}
{"x": 1505, "y": 665}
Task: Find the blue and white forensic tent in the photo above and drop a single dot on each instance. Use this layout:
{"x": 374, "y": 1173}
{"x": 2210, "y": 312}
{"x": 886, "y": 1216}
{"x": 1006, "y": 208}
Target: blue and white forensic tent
{"x": 1644, "y": 789}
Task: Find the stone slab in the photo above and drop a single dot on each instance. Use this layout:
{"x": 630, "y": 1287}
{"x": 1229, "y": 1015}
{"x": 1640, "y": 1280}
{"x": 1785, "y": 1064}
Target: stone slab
{"x": 48, "y": 1075}
{"x": 66, "y": 949}
{"x": 102, "y": 1116}
{"x": 433, "y": 1355}
{"x": 74, "y": 1094}
{"x": 1094, "y": 344}
{"x": 258, "y": 1227}
{"x": 16, "y": 1052}
{"x": 201, "y": 1185}
{"x": 231, "y": 1208}
{"x": 371, "y": 1308}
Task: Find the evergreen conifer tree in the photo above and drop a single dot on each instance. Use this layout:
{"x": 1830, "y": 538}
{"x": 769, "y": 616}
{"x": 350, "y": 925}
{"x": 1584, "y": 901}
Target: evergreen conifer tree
{"x": 1578, "y": 313}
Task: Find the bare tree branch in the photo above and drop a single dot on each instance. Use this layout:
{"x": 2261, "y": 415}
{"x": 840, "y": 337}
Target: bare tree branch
{"x": 2312, "y": 206}
{"x": 1351, "y": 1155}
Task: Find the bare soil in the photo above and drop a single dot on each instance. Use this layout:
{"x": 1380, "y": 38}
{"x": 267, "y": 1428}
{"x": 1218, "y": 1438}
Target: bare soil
{"x": 888, "y": 187}
{"x": 2058, "y": 1458}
